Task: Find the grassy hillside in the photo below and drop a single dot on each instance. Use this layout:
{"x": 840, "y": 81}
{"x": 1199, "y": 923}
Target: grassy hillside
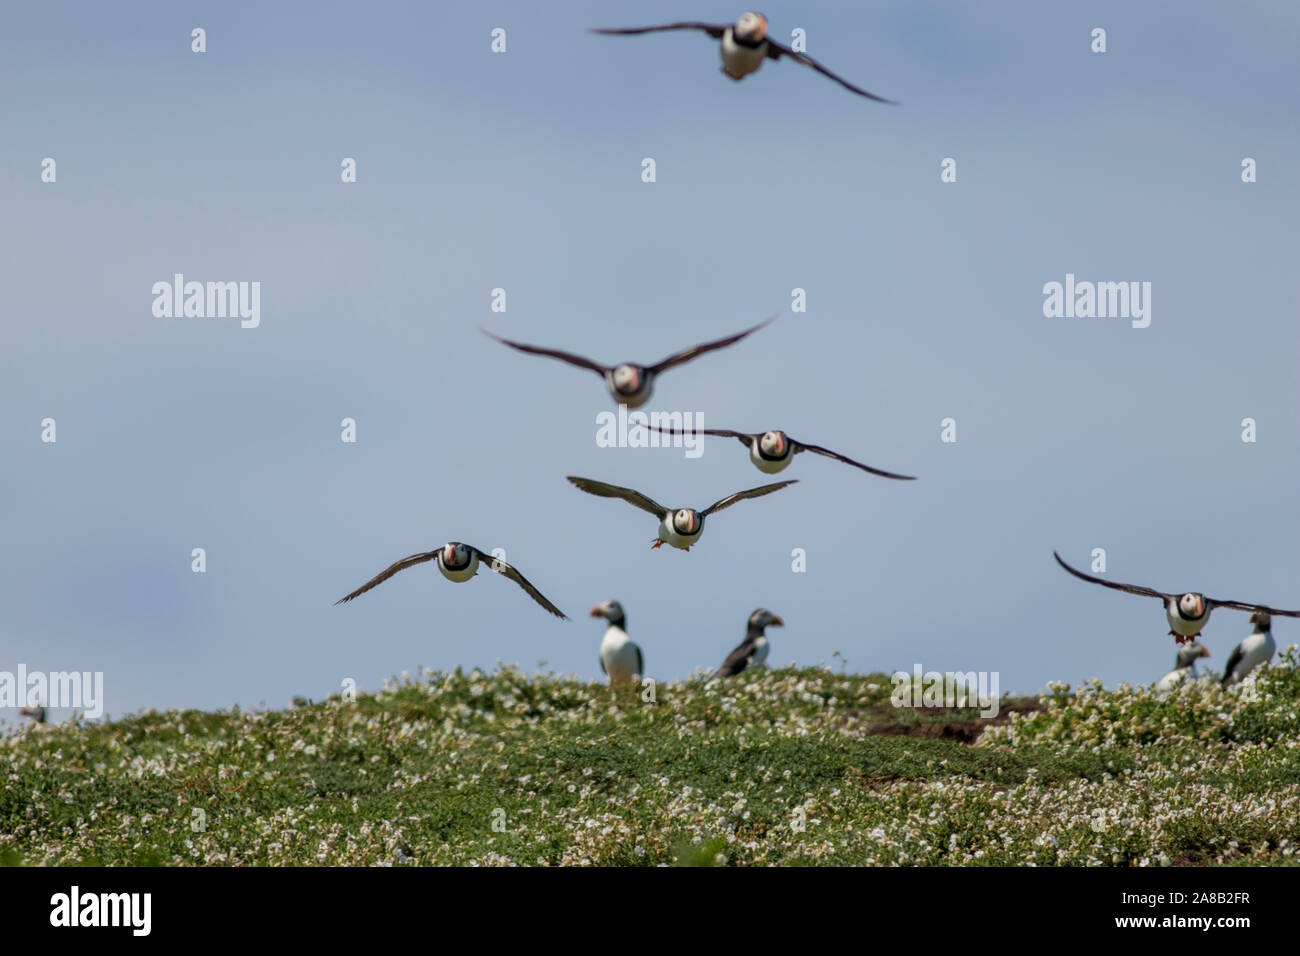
{"x": 788, "y": 767}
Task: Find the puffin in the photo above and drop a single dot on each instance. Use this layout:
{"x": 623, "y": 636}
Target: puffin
{"x": 679, "y": 527}
{"x": 1187, "y": 613}
{"x": 36, "y": 713}
{"x": 620, "y": 659}
{"x": 745, "y": 45}
{"x": 1251, "y": 653}
{"x": 773, "y": 451}
{"x": 1184, "y": 666}
{"x": 631, "y": 384}
{"x": 458, "y": 562}
{"x": 752, "y": 651}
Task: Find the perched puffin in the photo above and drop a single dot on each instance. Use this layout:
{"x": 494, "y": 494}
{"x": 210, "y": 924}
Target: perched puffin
{"x": 745, "y": 45}
{"x": 1252, "y": 652}
{"x": 752, "y": 651}
{"x": 457, "y": 562}
{"x": 620, "y": 659}
{"x": 1184, "y": 666}
{"x": 631, "y": 384}
{"x": 773, "y": 451}
{"x": 37, "y": 713}
{"x": 679, "y": 527}
{"x": 1187, "y": 613}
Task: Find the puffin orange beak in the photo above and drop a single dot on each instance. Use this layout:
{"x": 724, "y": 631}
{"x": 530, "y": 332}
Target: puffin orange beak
{"x": 776, "y": 622}
{"x": 1205, "y": 652}
{"x": 595, "y": 611}
{"x": 1200, "y": 607}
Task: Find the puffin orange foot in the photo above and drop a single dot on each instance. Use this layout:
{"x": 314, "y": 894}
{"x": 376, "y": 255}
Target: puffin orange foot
{"x": 658, "y": 544}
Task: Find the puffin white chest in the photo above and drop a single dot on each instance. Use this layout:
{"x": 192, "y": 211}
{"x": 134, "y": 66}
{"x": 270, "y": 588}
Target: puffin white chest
{"x": 1173, "y": 679}
{"x": 619, "y": 655}
{"x": 768, "y": 465}
{"x": 1255, "y": 650}
{"x": 459, "y": 574}
{"x": 761, "y": 647}
{"x": 1182, "y": 626}
{"x": 670, "y": 535}
{"x": 739, "y": 60}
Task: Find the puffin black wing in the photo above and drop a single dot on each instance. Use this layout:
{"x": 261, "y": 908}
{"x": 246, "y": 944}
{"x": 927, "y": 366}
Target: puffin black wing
{"x": 737, "y": 660}
{"x": 501, "y": 567}
{"x": 602, "y": 490}
{"x": 730, "y": 500}
{"x": 1233, "y": 660}
{"x": 388, "y": 572}
{"x": 569, "y": 357}
{"x": 1244, "y": 606}
{"x": 775, "y": 51}
{"x": 712, "y": 29}
{"x": 1130, "y": 588}
{"x": 695, "y": 351}
{"x": 817, "y": 449}
{"x": 640, "y": 661}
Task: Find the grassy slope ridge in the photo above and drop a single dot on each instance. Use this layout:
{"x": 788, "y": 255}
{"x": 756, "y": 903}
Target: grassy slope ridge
{"x": 774, "y": 767}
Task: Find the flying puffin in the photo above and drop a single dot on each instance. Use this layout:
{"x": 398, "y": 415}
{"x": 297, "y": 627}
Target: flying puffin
{"x": 773, "y": 451}
{"x": 679, "y": 527}
{"x": 752, "y": 651}
{"x": 620, "y": 659}
{"x": 1252, "y": 652}
{"x": 629, "y": 383}
{"x": 745, "y": 45}
{"x": 457, "y": 562}
{"x": 1184, "y": 666}
{"x": 1187, "y": 613}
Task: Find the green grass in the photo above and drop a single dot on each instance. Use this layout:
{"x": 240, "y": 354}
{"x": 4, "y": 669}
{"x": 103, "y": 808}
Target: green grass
{"x": 782, "y": 767}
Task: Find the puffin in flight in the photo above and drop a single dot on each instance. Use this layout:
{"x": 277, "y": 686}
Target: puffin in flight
{"x": 752, "y": 651}
{"x": 457, "y": 562}
{"x": 1252, "y": 652}
{"x": 620, "y": 659}
{"x": 1184, "y": 666}
{"x": 1187, "y": 613}
{"x": 629, "y": 383}
{"x": 745, "y": 45}
{"x": 773, "y": 451}
{"x": 679, "y": 527}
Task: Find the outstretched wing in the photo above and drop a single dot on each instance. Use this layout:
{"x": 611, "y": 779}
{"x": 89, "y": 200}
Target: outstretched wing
{"x": 697, "y": 350}
{"x": 775, "y": 51}
{"x": 1130, "y": 588}
{"x": 736, "y": 661}
{"x": 599, "y": 488}
{"x": 717, "y": 432}
{"x": 569, "y": 357}
{"x": 817, "y": 449}
{"x": 730, "y": 500}
{"x": 501, "y": 567}
{"x": 712, "y": 29}
{"x": 388, "y": 572}
{"x": 1244, "y": 606}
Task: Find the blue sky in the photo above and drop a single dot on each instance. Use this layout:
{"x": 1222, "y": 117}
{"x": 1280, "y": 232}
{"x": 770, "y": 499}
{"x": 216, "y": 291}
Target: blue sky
{"x": 523, "y": 171}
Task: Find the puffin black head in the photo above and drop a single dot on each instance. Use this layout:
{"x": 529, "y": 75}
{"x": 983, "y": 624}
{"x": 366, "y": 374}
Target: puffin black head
{"x": 455, "y": 555}
{"x": 686, "y": 521}
{"x": 750, "y": 29}
{"x": 611, "y": 611}
{"x": 37, "y": 713}
{"x": 763, "y": 618}
{"x": 1262, "y": 620}
{"x": 627, "y": 379}
{"x": 1191, "y": 606}
{"x": 773, "y": 445}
